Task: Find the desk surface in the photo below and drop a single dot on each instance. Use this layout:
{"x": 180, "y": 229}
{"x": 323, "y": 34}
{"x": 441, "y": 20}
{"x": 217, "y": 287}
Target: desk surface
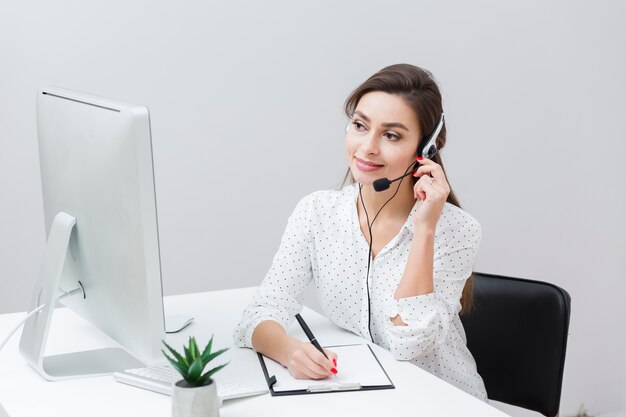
{"x": 24, "y": 393}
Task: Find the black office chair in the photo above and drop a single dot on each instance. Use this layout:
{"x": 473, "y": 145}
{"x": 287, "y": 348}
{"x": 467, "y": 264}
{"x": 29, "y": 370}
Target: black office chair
{"x": 517, "y": 333}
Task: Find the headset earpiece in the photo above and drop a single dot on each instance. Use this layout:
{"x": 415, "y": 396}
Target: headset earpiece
{"x": 430, "y": 152}
{"x": 429, "y": 147}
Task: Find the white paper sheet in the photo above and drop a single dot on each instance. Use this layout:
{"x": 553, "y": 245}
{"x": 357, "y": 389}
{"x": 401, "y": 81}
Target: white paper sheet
{"x": 355, "y": 364}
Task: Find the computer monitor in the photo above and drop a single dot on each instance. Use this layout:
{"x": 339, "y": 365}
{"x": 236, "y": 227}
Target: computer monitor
{"x": 102, "y": 236}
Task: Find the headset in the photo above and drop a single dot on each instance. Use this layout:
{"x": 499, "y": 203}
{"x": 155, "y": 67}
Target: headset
{"x": 427, "y": 149}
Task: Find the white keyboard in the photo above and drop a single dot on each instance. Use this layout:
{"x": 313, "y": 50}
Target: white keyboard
{"x": 161, "y": 378}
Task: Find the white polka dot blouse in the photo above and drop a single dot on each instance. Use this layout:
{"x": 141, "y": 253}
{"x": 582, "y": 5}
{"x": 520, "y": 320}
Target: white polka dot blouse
{"x": 323, "y": 242}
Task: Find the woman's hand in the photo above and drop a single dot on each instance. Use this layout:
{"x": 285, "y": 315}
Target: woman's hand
{"x": 433, "y": 189}
{"x": 304, "y": 361}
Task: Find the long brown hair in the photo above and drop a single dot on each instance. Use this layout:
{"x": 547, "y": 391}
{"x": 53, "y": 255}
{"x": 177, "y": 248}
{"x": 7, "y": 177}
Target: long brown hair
{"x": 420, "y": 91}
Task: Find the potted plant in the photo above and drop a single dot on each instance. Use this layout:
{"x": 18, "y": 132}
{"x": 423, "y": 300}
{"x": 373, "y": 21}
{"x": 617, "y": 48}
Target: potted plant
{"x": 196, "y": 394}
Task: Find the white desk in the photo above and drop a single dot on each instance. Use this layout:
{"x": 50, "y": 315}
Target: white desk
{"x": 24, "y": 393}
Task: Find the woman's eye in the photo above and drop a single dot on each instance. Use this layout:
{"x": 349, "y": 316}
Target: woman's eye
{"x": 392, "y": 136}
{"x": 358, "y": 125}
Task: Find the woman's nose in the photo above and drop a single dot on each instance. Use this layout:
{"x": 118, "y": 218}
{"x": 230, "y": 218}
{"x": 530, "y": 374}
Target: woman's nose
{"x": 370, "y": 144}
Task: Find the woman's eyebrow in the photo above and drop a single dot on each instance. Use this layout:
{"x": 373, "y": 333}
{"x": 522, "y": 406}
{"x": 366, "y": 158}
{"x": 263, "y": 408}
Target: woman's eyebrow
{"x": 392, "y": 124}
{"x": 397, "y": 125}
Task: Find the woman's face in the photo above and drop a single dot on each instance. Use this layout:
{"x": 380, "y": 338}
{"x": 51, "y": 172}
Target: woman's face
{"x": 382, "y": 139}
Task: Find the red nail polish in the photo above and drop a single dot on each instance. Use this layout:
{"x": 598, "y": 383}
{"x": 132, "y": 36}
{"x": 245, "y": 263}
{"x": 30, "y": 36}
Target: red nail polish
{"x": 334, "y": 371}
{"x": 419, "y": 158}
{"x": 335, "y": 362}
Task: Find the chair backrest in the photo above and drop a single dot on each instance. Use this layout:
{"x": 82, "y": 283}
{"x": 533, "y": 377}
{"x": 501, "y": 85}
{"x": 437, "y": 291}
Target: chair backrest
{"x": 517, "y": 333}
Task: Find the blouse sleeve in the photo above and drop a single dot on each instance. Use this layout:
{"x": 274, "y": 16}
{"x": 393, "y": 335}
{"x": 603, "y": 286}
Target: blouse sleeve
{"x": 279, "y": 298}
{"x": 429, "y": 316}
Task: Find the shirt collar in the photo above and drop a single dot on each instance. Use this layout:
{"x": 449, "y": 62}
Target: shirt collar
{"x": 408, "y": 224}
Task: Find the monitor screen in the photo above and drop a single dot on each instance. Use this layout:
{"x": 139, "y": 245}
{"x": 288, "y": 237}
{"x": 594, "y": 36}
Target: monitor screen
{"x": 96, "y": 165}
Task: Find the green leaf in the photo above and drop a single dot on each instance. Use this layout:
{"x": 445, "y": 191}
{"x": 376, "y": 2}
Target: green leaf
{"x": 214, "y": 370}
{"x": 195, "y": 370}
{"x": 207, "y": 350}
{"x": 192, "y": 364}
{"x": 203, "y": 380}
{"x": 215, "y": 355}
{"x": 177, "y": 355}
{"x": 182, "y": 370}
{"x": 188, "y": 355}
{"x": 193, "y": 348}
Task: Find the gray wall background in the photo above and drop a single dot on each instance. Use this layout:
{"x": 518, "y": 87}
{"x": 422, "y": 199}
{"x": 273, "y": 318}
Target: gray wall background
{"x": 246, "y": 107}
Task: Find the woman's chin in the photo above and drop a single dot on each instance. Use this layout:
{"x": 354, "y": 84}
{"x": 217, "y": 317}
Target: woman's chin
{"x": 363, "y": 178}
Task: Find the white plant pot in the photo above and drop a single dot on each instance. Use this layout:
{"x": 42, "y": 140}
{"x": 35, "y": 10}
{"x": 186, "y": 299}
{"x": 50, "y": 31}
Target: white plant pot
{"x": 195, "y": 402}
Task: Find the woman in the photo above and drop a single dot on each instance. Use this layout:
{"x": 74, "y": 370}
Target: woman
{"x": 392, "y": 266}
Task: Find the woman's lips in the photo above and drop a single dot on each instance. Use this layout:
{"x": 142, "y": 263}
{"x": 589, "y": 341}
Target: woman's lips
{"x": 366, "y": 166}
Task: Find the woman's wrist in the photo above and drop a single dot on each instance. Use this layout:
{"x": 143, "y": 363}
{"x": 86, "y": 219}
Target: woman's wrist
{"x": 270, "y": 339}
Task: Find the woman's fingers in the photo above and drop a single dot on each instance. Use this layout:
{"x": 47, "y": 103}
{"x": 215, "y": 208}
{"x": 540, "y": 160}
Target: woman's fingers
{"x": 302, "y": 372}
{"x": 432, "y": 181}
{"x": 428, "y": 186}
{"x": 434, "y": 172}
{"x": 304, "y": 367}
{"x": 433, "y": 169}
{"x": 320, "y": 360}
{"x": 314, "y": 371}
{"x": 308, "y": 362}
{"x": 332, "y": 356}
{"x": 310, "y": 365}
{"x": 433, "y": 188}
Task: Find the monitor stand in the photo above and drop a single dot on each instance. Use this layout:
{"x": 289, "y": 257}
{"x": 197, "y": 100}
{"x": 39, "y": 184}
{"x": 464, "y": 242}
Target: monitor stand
{"x": 47, "y": 292}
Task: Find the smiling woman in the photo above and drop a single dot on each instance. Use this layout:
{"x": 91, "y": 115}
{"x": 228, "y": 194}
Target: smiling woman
{"x": 418, "y": 90}
{"x": 399, "y": 278}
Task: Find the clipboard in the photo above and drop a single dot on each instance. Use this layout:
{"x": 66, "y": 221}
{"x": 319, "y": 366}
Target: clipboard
{"x": 359, "y": 370}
